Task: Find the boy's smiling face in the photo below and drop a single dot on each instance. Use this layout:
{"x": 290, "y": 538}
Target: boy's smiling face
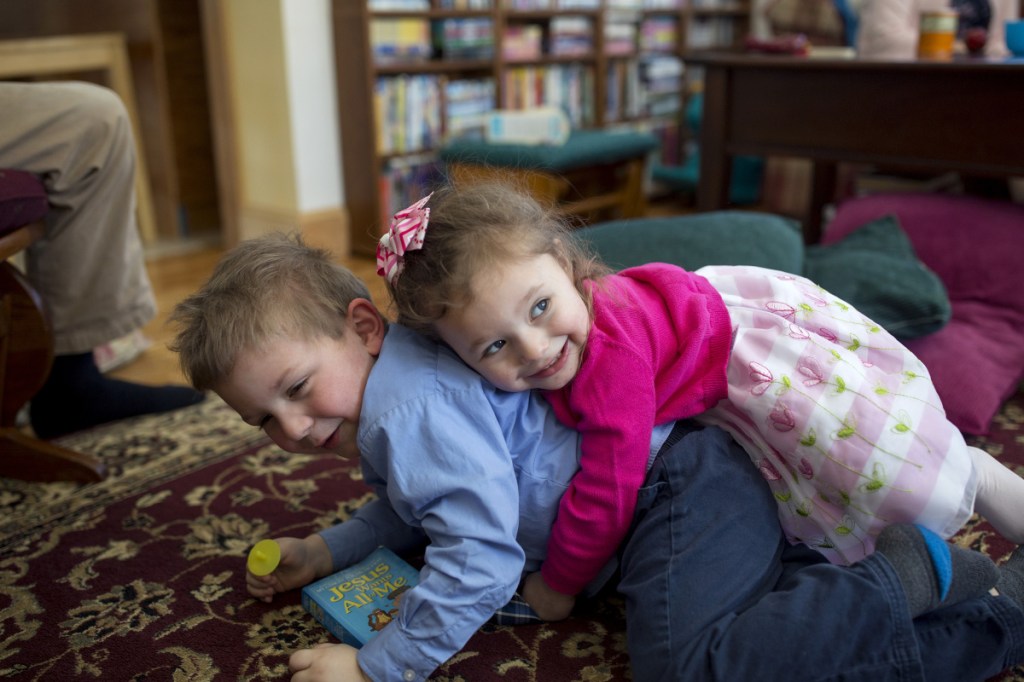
{"x": 307, "y": 394}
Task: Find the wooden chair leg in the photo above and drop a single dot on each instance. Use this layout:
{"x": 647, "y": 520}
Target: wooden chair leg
{"x": 30, "y": 459}
{"x": 26, "y": 355}
{"x": 634, "y": 203}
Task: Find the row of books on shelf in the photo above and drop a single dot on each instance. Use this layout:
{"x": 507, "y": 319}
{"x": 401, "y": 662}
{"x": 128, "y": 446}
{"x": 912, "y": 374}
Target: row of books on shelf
{"x": 709, "y": 33}
{"x": 644, "y": 88}
{"x": 567, "y": 86}
{"x": 408, "y": 112}
{"x": 615, "y": 4}
{"x": 418, "y": 112}
{"x": 530, "y": 5}
{"x": 718, "y": 4}
{"x": 658, "y": 34}
{"x": 388, "y": 5}
{"x": 407, "y": 5}
{"x": 463, "y": 39}
{"x": 567, "y": 37}
{"x": 411, "y": 39}
{"x": 620, "y": 38}
{"x": 552, "y": 4}
{"x": 573, "y": 36}
{"x": 400, "y": 39}
{"x": 646, "y": 4}
{"x": 597, "y": 4}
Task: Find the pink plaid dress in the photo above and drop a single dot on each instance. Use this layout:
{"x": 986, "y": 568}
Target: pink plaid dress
{"x": 840, "y": 418}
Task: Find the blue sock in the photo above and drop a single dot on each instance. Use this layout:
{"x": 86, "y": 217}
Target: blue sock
{"x": 942, "y": 560}
{"x": 933, "y": 572}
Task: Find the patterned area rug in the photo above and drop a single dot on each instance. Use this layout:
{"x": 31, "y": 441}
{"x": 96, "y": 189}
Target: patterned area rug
{"x": 142, "y": 576}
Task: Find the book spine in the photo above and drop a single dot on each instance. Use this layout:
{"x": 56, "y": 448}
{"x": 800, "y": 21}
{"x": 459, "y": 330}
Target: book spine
{"x": 324, "y": 617}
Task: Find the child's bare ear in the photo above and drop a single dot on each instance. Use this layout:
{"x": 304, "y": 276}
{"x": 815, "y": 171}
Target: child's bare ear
{"x": 366, "y": 321}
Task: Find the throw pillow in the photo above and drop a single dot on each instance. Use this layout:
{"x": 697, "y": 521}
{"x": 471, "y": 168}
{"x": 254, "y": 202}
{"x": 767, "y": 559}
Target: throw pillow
{"x": 693, "y": 241}
{"x": 975, "y": 246}
{"x": 875, "y": 269}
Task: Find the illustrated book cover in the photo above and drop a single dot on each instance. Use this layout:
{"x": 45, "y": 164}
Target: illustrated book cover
{"x": 357, "y": 602}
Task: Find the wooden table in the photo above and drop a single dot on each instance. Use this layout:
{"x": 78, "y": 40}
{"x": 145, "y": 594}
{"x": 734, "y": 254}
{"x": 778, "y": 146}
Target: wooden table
{"x": 962, "y": 115}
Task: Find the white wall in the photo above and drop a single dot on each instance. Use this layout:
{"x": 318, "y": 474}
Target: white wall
{"x": 280, "y": 56}
{"x": 309, "y": 67}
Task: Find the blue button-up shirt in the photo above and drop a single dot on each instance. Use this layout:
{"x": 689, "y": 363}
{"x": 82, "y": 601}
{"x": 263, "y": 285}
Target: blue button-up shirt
{"x": 475, "y": 472}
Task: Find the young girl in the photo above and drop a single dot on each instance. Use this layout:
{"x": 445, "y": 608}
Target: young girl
{"x": 838, "y": 416}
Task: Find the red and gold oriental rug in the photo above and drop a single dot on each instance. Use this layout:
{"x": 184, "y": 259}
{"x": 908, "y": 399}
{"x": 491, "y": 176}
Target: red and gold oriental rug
{"x": 141, "y": 576}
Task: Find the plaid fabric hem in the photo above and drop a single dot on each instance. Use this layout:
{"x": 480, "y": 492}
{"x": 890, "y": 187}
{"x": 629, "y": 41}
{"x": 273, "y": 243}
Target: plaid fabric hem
{"x": 516, "y": 612}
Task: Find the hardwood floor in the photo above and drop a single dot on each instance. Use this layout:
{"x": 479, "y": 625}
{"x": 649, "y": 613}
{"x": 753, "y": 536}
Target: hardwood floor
{"x": 174, "y": 278}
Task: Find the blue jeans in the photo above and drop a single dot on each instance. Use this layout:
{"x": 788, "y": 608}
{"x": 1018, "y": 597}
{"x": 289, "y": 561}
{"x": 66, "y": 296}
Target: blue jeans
{"x": 714, "y": 592}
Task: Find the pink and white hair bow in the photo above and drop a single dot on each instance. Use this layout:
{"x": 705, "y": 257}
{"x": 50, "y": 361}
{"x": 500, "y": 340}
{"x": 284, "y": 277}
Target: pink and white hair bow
{"x": 406, "y": 233}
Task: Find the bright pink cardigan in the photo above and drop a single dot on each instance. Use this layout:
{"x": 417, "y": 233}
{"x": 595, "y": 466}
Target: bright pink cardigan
{"x": 656, "y": 352}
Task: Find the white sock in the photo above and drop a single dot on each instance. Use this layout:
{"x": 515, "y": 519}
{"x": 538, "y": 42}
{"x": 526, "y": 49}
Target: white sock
{"x": 1000, "y": 497}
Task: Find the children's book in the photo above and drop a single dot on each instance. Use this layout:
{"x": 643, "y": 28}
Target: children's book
{"x": 357, "y": 602}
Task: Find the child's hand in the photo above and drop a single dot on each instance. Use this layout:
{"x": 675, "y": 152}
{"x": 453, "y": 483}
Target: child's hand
{"x": 548, "y": 603}
{"x": 302, "y": 561}
{"x": 326, "y": 663}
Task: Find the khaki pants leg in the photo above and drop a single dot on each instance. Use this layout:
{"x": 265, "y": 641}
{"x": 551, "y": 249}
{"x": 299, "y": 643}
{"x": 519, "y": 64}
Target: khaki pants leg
{"x": 89, "y": 266}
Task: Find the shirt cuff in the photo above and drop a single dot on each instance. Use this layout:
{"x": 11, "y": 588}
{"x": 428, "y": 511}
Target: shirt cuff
{"x": 349, "y": 542}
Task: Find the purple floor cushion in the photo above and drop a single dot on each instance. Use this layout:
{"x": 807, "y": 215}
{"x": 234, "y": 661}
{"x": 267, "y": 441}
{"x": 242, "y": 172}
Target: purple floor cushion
{"x": 22, "y": 199}
{"x": 976, "y": 247}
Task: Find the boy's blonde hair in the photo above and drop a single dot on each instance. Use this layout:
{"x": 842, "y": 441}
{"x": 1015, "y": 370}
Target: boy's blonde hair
{"x": 473, "y": 228}
{"x": 263, "y": 289}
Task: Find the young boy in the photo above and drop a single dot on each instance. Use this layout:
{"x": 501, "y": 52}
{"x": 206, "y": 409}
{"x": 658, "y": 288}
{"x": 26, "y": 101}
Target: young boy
{"x": 294, "y": 344}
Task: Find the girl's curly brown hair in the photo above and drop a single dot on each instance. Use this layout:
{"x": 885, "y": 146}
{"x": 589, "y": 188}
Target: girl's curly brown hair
{"x": 471, "y": 229}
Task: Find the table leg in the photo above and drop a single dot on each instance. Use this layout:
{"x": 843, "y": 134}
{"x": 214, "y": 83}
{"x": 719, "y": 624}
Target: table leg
{"x": 823, "y": 188}
{"x": 715, "y": 162}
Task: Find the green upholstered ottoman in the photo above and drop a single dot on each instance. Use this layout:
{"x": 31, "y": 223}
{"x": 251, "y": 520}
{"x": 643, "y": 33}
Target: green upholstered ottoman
{"x": 594, "y": 174}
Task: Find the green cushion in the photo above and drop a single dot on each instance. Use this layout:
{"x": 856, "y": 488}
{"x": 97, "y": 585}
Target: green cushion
{"x": 875, "y": 269}
{"x": 583, "y": 149}
{"x": 693, "y": 241}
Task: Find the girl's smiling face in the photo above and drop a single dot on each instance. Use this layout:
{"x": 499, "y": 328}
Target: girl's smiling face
{"x": 524, "y": 328}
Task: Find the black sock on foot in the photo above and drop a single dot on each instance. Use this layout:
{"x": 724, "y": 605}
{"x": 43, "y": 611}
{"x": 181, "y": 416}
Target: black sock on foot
{"x": 77, "y": 396}
{"x": 1011, "y": 577}
{"x": 933, "y": 572}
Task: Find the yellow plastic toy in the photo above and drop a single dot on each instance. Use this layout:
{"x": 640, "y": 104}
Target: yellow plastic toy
{"x": 264, "y": 557}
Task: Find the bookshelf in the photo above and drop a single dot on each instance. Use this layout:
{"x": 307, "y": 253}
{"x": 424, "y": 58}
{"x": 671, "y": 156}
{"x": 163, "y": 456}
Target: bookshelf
{"x": 413, "y": 73}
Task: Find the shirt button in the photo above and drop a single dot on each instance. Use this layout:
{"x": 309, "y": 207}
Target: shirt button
{"x": 408, "y": 676}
